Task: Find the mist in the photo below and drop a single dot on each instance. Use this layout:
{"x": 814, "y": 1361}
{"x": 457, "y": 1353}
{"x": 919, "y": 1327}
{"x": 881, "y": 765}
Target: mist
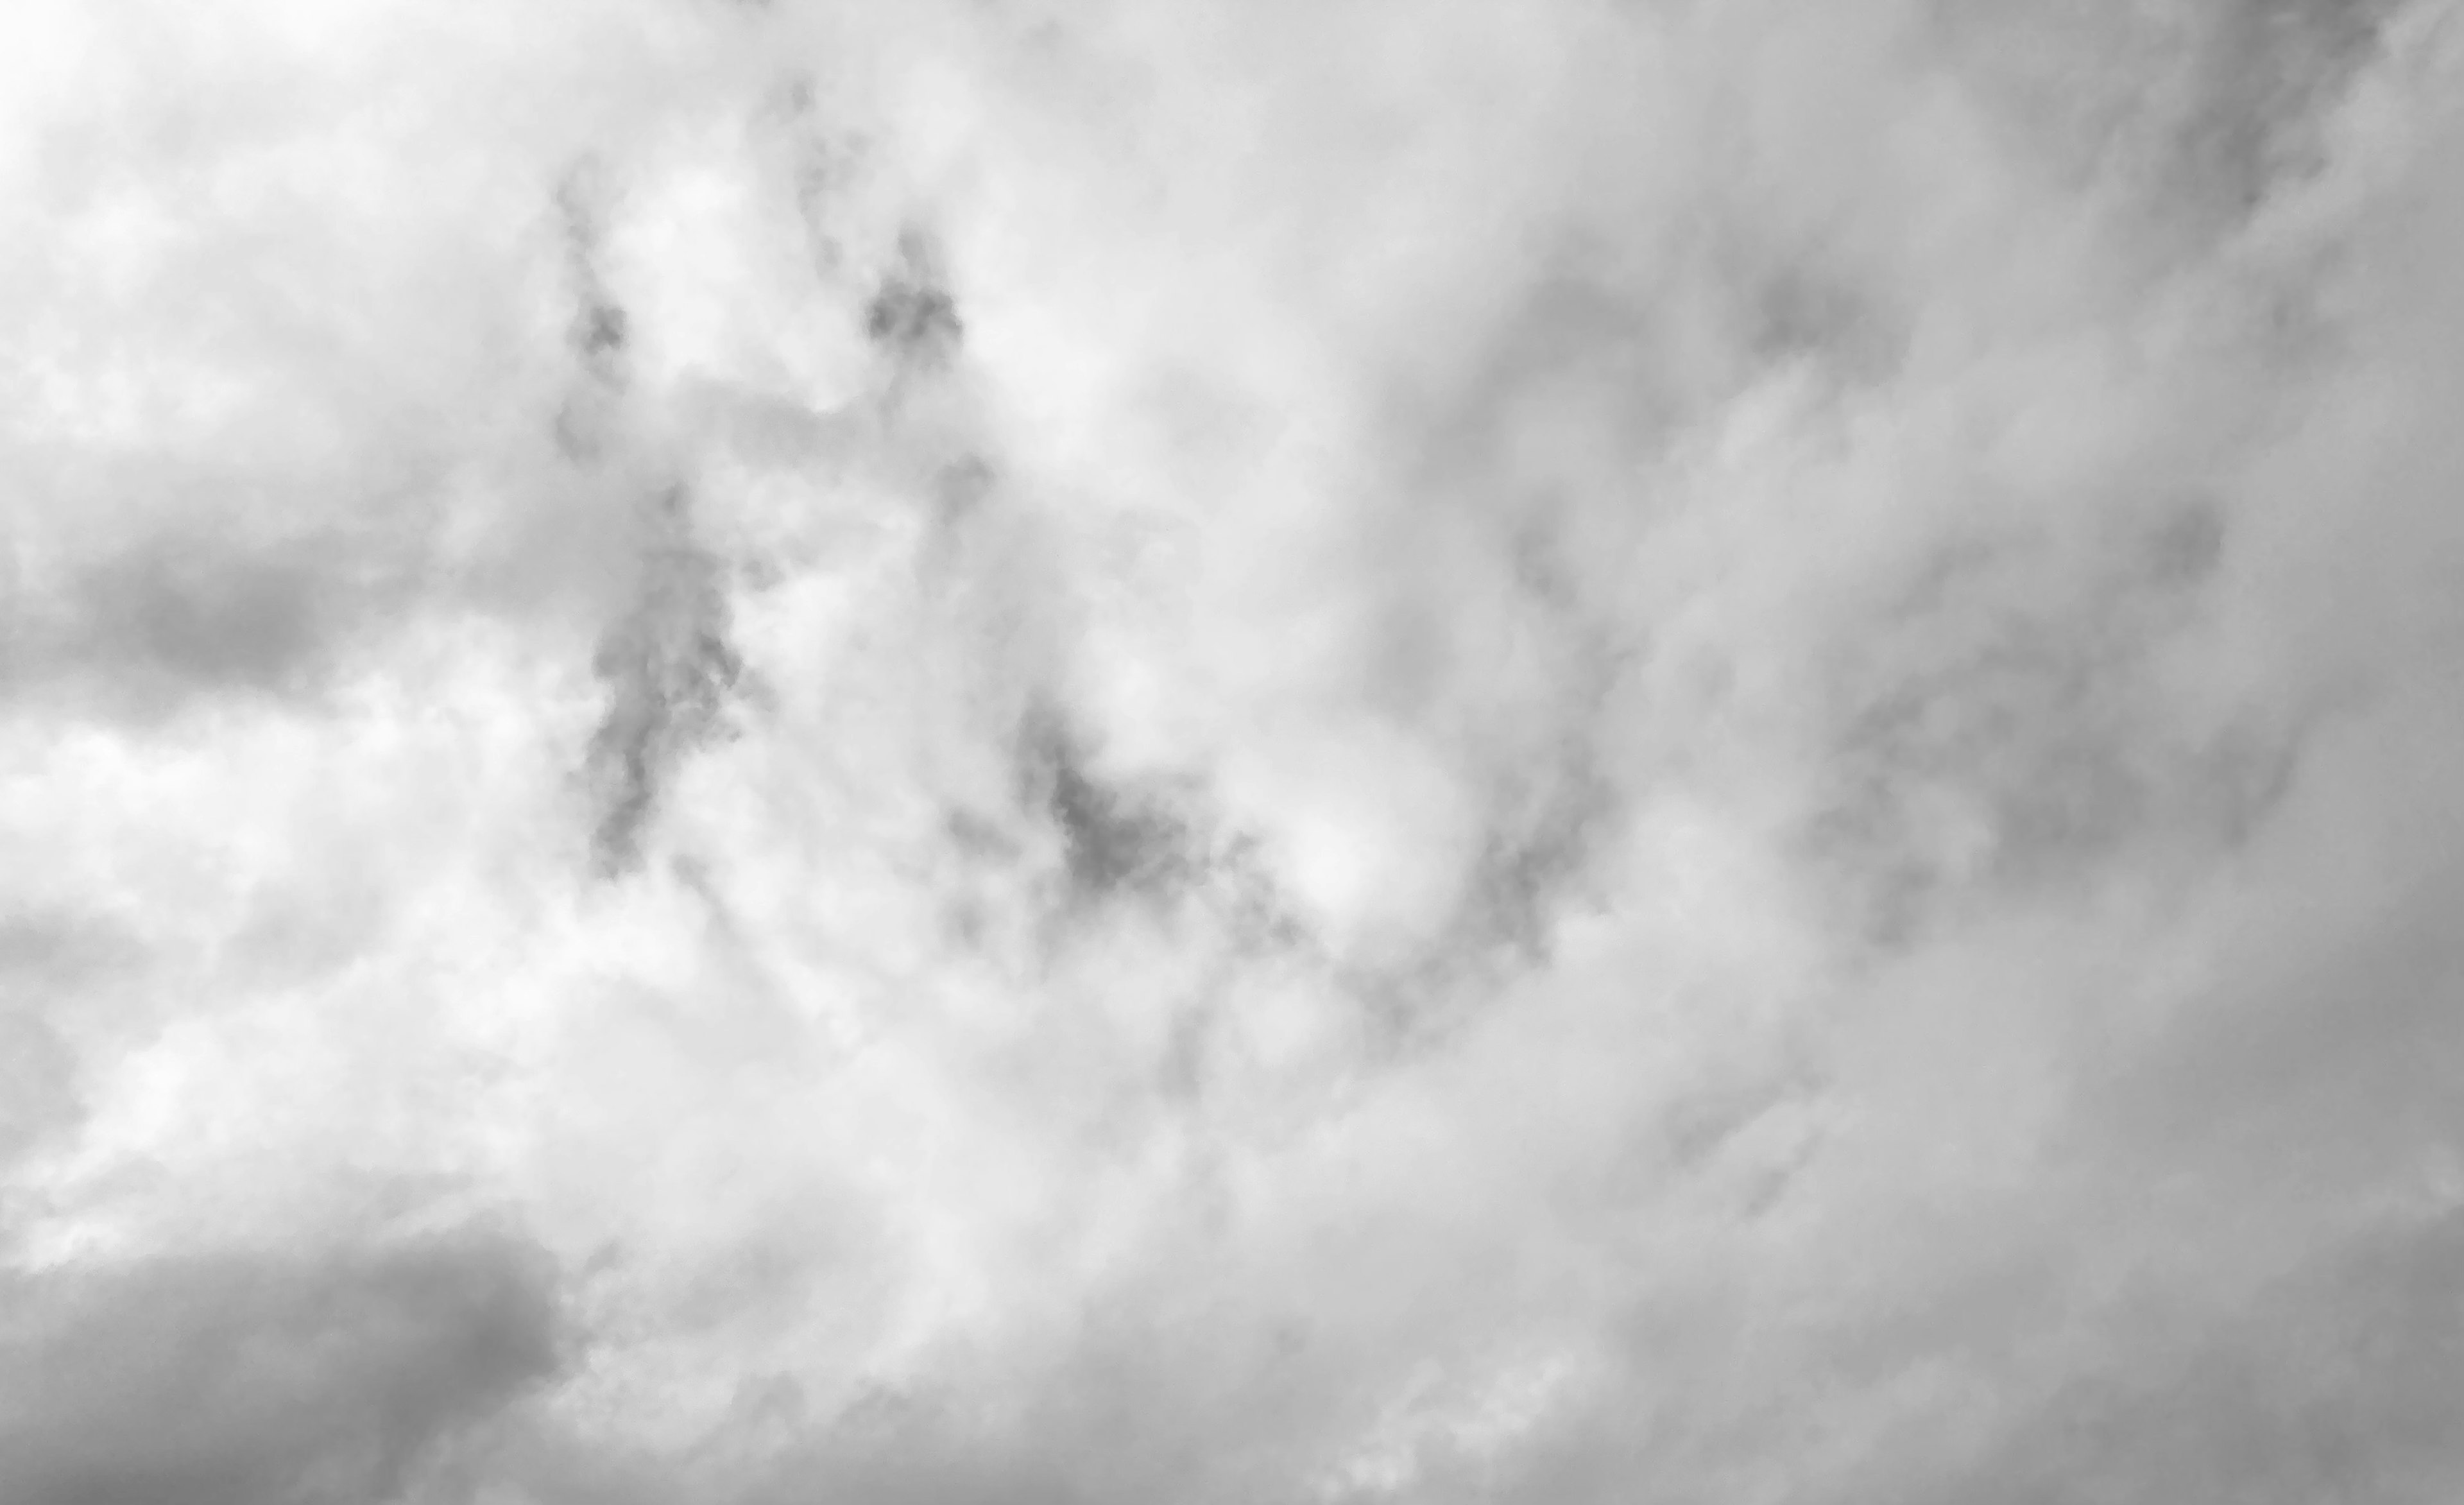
{"x": 979, "y": 751}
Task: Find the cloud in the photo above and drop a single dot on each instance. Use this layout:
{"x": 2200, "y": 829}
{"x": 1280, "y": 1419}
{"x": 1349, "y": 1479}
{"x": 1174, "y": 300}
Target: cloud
{"x": 1227, "y": 751}
{"x": 288, "y": 1377}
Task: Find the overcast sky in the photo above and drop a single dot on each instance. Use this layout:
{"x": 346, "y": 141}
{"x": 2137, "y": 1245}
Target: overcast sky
{"x": 1319, "y": 751}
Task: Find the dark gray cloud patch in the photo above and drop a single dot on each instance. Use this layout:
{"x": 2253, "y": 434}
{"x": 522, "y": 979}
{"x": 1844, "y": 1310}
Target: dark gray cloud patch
{"x": 599, "y": 331}
{"x": 912, "y": 316}
{"x": 261, "y": 1380}
{"x": 664, "y": 657}
{"x": 2271, "y": 69}
{"x": 149, "y": 630}
{"x": 670, "y": 672}
{"x": 1533, "y": 863}
{"x": 1116, "y": 841}
{"x": 250, "y": 620}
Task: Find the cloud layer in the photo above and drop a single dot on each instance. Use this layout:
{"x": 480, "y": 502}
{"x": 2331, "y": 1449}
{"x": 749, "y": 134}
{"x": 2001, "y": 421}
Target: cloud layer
{"x": 792, "y": 751}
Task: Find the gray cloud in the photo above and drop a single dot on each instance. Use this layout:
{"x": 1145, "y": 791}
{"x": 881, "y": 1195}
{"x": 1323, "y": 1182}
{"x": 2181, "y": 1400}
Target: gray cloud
{"x": 1351, "y": 756}
{"x": 235, "y": 1380}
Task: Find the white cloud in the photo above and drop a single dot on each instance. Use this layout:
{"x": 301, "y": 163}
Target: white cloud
{"x": 1197, "y": 751}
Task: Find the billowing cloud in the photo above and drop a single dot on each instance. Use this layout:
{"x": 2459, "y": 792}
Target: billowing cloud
{"x": 1321, "y": 752}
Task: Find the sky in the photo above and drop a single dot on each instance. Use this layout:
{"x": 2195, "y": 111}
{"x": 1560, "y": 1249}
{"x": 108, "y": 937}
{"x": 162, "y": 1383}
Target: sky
{"x": 777, "y": 751}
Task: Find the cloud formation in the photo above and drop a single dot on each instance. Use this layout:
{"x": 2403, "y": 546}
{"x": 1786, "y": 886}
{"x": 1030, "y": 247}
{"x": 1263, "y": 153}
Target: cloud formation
{"x": 226, "y": 1378}
{"x": 764, "y": 752}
